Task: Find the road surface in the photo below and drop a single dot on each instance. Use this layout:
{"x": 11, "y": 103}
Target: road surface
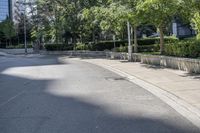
{"x": 52, "y": 94}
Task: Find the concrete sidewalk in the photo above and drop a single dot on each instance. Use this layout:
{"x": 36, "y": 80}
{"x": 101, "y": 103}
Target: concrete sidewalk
{"x": 179, "y": 84}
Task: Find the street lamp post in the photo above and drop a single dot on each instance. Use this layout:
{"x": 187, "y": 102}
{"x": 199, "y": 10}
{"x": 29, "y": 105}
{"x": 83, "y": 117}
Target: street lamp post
{"x": 129, "y": 43}
{"x": 24, "y": 13}
{"x": 25, "y": 42}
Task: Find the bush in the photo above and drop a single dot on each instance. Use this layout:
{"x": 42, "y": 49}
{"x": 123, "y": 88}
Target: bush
{"x": 58, "y": 47}
{"x": 149, "y": 48}
{"x": 20, "y": 46}
{"x": 150, "y": 41}
{"x": 144, "y": 48}
{"x": 183, "y": 49}
{"x": 122, "y": 49}
{"x": 109, "y": 45}
{"x": 81, "y": 46}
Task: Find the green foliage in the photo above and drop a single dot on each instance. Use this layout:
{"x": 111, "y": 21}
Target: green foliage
{"x": 58, "y": 47}
{"x": 87, "y": 21}
{"x": 122, "y": 49}
{"x": 149, "y": 48}
{"x": 183, "y": 49}
{"x": 81, "y": 46}
{"x": 7, "y": 29}
{"x": 59, "y": 20}
{"x": 150, "y": 41}
{"x": 20, "y": 46}
{"x": 196, "y": 21}
{"x": 106, "y": 45}
{"x": 158, "y": 12}
{"x": 109, "y": 45}
{"x": 112, "y": 17}
{"x": 143, "y": 48}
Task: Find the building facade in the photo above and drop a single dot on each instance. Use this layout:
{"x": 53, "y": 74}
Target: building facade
{"x": 181, "y": 30}
{"x": 5, "y": 9}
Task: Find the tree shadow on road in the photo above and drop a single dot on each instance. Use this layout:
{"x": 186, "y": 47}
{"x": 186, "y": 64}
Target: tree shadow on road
{"x": 28, "y": 106}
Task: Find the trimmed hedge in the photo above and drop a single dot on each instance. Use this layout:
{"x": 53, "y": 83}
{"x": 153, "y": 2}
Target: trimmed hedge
{"x": 144, "y": 48}
{"x": 109, "y": 45}
{"x": 82, "y": 46}
{"x": 144, "y": 45}
{"x": 57, "y": 47}
{"x": 20, "y": 46}
{"x": 183, "y": 49}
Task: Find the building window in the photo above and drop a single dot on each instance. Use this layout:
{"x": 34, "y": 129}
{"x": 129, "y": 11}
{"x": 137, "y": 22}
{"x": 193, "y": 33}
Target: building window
{"x": 4, "y": 9}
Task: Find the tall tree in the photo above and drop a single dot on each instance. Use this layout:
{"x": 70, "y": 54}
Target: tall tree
{"x": 133, "y": 17}
{"x": 160, "y": 13}
{"x": 7, "y": 28}
{"x": 196, "y": 16}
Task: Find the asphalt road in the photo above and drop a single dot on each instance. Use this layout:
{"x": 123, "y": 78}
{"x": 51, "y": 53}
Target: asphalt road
{"x": 52, "y": 95}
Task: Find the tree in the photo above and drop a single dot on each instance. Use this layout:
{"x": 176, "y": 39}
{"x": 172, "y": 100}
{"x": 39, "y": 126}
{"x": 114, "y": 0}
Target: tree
{"x": 58, "y": 18}
{"x": 112, "y": 18}
{"x": 7, "y": 29}
{"x": 196, "y": 15}
{"x": 133, "y": 17}
{"x": 160, "y": 13}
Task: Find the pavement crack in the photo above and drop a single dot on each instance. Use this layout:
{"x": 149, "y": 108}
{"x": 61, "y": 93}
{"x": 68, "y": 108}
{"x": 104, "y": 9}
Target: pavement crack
{"x": 12, "y": 98}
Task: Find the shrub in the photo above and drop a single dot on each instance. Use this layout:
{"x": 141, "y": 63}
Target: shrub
{"x": 156, "y": 40}
{"x": 149, "y": 48}
{"x": 122, "y": 49}
{"x": 20, "y": 46}
{"x": 144, "y": 48}
{"x": 109, "y": 45}
{"x": 58, "y": 47}
{"x": 81, "y": 46}
{"x": 183, "y": 49}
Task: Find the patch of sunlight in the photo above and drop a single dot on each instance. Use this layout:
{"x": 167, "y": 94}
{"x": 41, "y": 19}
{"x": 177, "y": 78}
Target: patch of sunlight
{"x": 111, "y": 103}
{"x": 47, "y": 72}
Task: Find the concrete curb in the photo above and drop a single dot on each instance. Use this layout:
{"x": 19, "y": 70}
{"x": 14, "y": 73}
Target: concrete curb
{"x": 182, "y": 107}
{"x": 3, "y": 54}
{"x": 16, "y": 51}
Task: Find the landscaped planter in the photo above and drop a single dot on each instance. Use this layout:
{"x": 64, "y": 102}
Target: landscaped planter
{"x": 189, "y": 65}
{"x": 117, "y": 55}
{"x": 185, "y": 64}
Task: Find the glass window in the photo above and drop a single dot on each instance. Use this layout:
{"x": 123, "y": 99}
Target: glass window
{"x": 4, "y": 9}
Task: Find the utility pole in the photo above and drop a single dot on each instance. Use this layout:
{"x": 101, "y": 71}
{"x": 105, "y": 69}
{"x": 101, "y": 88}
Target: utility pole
{"x": 25, "y": 42}
{"x": 129, "y": 43}
{"x": 23, "y": 4}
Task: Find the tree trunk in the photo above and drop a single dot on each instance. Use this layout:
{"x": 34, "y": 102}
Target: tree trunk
{"x": 6, "y": 43}
{"x": 135, "y": 40}
{"x": 161, "y": 40}
{"x": 18, "y": 39}
{"x": 9, "y": 41}
{"x": 93, "y": 36}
